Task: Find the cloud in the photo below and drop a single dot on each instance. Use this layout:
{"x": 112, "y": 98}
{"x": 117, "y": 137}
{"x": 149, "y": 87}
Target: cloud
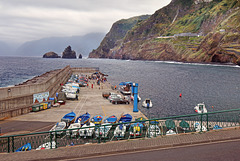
{"x": 26, "y": 20}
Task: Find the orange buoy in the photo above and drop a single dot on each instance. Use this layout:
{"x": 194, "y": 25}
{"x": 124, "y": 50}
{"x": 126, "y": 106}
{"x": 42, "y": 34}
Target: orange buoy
{"x": 180, "y": 95}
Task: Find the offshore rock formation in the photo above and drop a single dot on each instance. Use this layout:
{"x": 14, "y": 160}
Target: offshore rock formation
{"x": 80, "y": 56}
{"x": 185, "y": 30}
{"x": 68, "y": 53}
{"x": 51, "y": 55}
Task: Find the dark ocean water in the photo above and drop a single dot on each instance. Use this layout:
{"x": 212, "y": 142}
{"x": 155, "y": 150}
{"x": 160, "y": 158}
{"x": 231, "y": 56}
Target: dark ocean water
{"x": 216, "y": 85}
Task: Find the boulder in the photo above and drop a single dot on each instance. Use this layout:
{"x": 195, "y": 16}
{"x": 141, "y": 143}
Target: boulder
{"x": 68, "y": 53}
{"x": 51, "y": 55}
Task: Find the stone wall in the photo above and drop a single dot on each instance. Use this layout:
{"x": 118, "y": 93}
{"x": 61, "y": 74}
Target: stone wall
{"x": 17, "y": 100}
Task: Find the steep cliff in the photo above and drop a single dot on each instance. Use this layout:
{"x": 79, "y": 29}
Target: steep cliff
{"x": 115, "y": 35}
{"x": 185, "y": 30}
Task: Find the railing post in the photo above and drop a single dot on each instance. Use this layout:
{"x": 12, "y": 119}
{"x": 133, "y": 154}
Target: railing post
{"x": 149, "y": 132}
{"x": 207, "y": 122}
{"x": 8, "y": 144}
{"x": 12, "y": 143}
{"x": 201, "y": 121}
{"x": 104, "y": 134}
{"x": 55, "y": 139}
{"x": 99, "y": 138}
{"x": 50, "y": 140}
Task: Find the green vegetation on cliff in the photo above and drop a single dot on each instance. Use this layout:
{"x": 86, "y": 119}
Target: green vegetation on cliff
{"x": 185, "y": 30}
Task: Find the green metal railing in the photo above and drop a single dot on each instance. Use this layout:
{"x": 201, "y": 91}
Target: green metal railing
{"x": 151, "y": 128}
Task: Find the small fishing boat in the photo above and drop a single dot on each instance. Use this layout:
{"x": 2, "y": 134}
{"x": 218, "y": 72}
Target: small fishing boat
{"x": 198, "y": 128}
{"x": 125, "y": 118}
{"x": 59, "y": 126}
{"x": 102, "y": 131}
{"x": 200, "y": 108}
{"x": 87, "y": 130}
{"x": 69, "y": 118}
{"x": 26, "y": 147}
{"x": 83, "y": 119}
{"x": 47, "y": 146}
{"x": 120, "y": 131}
{"x": 73, "y": 129}
{"x": 147, "y": 103}
{"x": 111, "y": 119}
{"x": 97, "y": 120}
{"x": 136, "y": 129}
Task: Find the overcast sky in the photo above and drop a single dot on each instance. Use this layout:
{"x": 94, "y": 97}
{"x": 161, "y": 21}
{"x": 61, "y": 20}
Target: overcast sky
{"x": 26, "y": 20}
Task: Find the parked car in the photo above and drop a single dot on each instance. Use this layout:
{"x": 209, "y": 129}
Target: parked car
{"x": 114, "y": 96}
{"x": 120, "y": 101}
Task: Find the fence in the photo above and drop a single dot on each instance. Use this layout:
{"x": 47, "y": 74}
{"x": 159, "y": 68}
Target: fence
{"x": 120, "y": 131}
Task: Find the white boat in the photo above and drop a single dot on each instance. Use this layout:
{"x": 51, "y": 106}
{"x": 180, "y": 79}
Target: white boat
{"x": 58, "y": 126}
{"x": 70, "y": 95}
{"x": 125, "y": 90}
{"x": 102, "y": 131}
{"x": 147, "y": 103}
{"x": 73, "y": 129}
{"x": 85, "y": 131}
{"x": 171, "y": 132}
{"x": 154, "y": 130}
{"x": 197, "y": 127}
{"x": 47, "y": 146}
{"x": 200, "y": 108}
{"x": 120, "y": 131}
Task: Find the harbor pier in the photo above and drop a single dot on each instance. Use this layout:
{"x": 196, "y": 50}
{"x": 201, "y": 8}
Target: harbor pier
{"x": 89, "y": 100}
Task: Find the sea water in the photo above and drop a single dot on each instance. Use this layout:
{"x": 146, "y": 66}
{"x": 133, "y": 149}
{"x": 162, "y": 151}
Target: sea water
{"x": 216, "y": 85}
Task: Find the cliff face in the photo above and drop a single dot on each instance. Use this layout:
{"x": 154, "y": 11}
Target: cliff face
{"x": 185, "y": 30}
{"x": 115, "y": 35}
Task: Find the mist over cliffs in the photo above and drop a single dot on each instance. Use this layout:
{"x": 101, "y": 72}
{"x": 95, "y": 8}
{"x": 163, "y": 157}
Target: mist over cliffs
{"x": 81, "y": 44}
{"x": 185, "y": 30}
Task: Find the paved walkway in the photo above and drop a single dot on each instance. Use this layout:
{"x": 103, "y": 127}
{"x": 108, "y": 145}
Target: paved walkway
{"x": 125, "y": 146}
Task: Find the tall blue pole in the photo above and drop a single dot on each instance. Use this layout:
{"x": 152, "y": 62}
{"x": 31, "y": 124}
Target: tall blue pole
{"x": 135, "y": 92}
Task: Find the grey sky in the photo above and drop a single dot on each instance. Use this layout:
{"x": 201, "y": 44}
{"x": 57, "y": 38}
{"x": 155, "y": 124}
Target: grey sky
{"x": 26, "y": 20}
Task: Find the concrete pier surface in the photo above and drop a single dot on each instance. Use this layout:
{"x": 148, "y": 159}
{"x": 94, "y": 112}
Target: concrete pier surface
{"x": 89, "y": 100}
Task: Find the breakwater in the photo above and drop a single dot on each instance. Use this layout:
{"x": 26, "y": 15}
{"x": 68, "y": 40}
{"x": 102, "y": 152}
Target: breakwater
{"x": 18, "y": 99}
